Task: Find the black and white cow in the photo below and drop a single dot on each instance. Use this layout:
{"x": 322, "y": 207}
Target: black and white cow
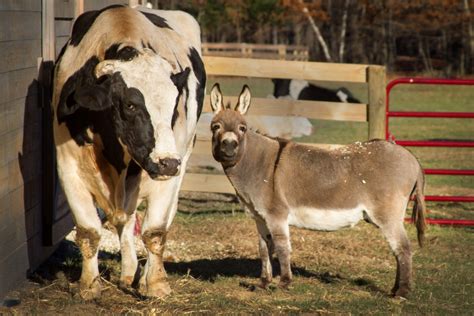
{"x": 303, "y": 90}
{"x": 128, "y": 91}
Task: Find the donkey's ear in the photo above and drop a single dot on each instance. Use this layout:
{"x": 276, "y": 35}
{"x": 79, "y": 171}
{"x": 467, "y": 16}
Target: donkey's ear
{"x": 244, "y": 100}
{"x": 217, "y": 103}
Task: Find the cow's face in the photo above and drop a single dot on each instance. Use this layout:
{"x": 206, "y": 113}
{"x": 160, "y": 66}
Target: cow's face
{"x": 143, "y": 93}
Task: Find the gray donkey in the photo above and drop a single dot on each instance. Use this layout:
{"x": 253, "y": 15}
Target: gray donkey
{"x": 283, "y": 183}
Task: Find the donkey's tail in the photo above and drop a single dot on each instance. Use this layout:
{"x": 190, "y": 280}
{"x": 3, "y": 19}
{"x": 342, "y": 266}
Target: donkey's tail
{"x": 419, "y": 207}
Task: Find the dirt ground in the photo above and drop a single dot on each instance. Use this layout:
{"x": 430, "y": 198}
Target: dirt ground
{"x": 213, "y": 267}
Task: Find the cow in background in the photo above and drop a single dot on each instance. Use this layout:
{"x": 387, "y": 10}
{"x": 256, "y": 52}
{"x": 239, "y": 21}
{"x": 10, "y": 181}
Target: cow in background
{"x": 303, "y": 90}
{"x": 128, "y": 91}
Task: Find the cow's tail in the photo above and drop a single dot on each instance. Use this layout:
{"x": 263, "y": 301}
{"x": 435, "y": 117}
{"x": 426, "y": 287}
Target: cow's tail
{"x": 419, "y": 207}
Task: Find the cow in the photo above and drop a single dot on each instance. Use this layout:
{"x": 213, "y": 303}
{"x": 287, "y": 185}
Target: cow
{"x": 282, "y": 183}
{"x": 128, "y": 90}
{"x": 303, "y": 90}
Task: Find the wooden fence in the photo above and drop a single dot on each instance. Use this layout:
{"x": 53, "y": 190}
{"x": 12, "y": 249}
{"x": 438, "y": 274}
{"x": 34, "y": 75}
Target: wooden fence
{"x": 373, "y": 112}
{"x": 257, "y": 51}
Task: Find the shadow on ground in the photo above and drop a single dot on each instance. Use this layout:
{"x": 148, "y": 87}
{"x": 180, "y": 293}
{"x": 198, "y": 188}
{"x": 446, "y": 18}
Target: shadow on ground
{"x": 65, "y": 263}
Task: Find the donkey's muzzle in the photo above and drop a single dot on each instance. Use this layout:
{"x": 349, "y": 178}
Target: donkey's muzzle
{"x": 228, "y": 147}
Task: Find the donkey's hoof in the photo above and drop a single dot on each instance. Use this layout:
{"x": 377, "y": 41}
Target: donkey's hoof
{"x": 160, "y": 289}
{"x": 401, "y": 293}
{"x": 90, "y": 292}
{"x": 284, "y": 285}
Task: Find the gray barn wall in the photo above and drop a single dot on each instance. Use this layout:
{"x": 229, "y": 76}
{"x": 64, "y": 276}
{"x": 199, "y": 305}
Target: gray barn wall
{"x": 21, "y": 173}
{"x": 20, "y": 137}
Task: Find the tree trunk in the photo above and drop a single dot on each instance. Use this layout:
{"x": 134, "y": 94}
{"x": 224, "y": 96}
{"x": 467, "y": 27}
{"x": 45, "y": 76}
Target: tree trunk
{"x": 469, "y": 48}
{"x": 315, "y": 28}
{"x": 342, "y": 39}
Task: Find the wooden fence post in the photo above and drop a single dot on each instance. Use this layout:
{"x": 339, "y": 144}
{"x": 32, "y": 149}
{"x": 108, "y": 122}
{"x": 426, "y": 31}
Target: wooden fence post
{"x": 376, "y": 104}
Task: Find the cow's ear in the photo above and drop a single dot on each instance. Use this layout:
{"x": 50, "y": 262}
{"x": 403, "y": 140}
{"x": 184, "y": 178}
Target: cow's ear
{"x": 217, "y": 102}
{"x": 180, "y": 79}
{"x": 94, "y": 97}
{"x": 244, "y": 100}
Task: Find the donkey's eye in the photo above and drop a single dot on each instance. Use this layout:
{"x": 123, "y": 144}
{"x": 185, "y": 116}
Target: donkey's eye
{"x": 131, "y": 106}
{"x": 243, "y": 128}
{"x": 215, "y": 127}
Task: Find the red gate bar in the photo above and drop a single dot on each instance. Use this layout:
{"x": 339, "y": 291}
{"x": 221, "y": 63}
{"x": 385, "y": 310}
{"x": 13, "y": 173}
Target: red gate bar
{"x": 446, "y": 222}
{"x": 447, "y": 198}
{"x": 434, "y": 143}
{"x": 450, "y": 172}
{"x": 431, "y": 114}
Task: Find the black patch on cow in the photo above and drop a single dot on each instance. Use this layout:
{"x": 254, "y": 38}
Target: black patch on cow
{"x": 151, "y": 47}
{"x": 179, "y": 80}
{"x": 311, "y": 92}
{"x": 200, "y": 73}
{"x": 281, "y": 87}
{"x": 84, "y": 23}
{"x": 133, "y": 124}
{"x": 133, "y": 169}
{"x": 109, "y": 108}
{"x": 156, "y": 20}
{"x": 125, "y": 53}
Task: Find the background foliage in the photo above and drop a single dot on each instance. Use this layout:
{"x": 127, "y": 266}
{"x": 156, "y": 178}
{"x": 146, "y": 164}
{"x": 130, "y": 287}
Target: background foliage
{"x": 433, "y": 36}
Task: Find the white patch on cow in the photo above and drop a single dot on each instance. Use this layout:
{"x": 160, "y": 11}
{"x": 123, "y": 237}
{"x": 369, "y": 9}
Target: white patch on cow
{"x": 342, "y": 96}
{"x": 150, "y": 74}
{"x": 321, "y": 219}
{"x": 296, "y": 86}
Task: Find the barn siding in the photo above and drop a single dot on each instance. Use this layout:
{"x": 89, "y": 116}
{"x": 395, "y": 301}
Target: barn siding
{"x": 22, "y": 213}
{"x": 20, "y": 136}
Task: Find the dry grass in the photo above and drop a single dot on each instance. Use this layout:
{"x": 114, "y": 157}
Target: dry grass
{"x": 214, "y": 267}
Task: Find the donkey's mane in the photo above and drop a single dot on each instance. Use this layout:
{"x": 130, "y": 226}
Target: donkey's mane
{"x": 278, "y": 139}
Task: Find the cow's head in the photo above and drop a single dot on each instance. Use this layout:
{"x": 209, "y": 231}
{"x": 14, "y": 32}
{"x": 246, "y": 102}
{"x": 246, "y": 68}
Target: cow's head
{"x": 141, "y": 93}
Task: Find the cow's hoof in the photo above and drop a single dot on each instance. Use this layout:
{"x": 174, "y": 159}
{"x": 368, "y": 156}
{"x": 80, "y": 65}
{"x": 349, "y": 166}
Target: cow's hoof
{"x": 126, "y": 282}
{"x": 264, "y": 283}
{"x": 160, "y": 289}
{"x": 90, "y": 292}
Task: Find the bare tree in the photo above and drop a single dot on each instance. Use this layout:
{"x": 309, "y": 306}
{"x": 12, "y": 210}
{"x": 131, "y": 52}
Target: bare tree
{"x": 342, "y": 38}
{"x": 315, "y": 28}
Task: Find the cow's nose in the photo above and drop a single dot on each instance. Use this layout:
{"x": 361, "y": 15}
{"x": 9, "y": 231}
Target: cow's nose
{"x": 169, "y": 166}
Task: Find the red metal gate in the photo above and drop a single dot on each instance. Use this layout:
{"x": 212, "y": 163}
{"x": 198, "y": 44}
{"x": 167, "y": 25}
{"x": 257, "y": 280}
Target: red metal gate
{"x": 434, "y": 143}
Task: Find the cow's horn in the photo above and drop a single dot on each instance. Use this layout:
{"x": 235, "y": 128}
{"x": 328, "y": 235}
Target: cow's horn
{"x": 105, "y": 67}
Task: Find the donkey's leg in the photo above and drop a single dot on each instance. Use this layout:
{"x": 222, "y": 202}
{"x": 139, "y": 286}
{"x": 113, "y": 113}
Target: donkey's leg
{"x": 398, "y": 240}
{"x": 128, "y": 252}
{"x": 265, "y": 244}
{"x": 280, "y": 232}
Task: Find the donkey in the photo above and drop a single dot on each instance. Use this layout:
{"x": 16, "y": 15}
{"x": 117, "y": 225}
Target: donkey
{"x": 282, "y": 183}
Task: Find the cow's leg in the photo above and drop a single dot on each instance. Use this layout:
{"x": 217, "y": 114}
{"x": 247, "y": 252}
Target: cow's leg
{"x": 280, "y": 234}
{"x": 266, "y": 250}
{"x": 162, "y": 206}
{"x": 88, "y": 230}
{"x": 127, "y": 248}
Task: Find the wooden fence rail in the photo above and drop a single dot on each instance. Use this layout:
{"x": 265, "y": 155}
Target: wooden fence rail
{"x": 374, "y": 112}
{"x": 266, "y": 51}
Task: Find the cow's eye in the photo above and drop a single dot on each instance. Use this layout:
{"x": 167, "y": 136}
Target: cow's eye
{"x": 215, "y": 127}
{"x": 242, "y": 128}
{"x": 131, "y": 107}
